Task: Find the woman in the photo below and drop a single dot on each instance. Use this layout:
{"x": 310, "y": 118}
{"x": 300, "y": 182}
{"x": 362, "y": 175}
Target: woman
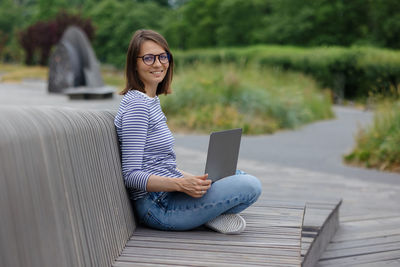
{"x": 165, "y": 197}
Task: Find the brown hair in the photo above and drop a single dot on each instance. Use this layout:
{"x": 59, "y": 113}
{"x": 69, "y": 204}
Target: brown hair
{"x": 133, "y": 81}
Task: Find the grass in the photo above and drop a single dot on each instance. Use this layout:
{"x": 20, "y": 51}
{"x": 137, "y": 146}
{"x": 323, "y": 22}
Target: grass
{"x": 378, "y": 146}
{"x": 17, "y": 73}
{"x": 260, "y": 100}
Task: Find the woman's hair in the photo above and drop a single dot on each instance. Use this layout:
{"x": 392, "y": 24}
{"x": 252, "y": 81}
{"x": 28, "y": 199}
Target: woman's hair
{"x": 133, "y": 81}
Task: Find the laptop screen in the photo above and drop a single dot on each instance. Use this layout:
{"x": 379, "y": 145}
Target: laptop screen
{"x": 223, "y": 153}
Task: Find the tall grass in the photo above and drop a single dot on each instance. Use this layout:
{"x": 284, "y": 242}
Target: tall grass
{"x": 378, "y": 145}
{"x": 260, "y": 100}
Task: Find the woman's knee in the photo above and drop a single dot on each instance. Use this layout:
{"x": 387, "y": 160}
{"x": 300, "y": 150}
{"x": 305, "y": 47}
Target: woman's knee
{"x": 255, "y": 185}
{"x": 249, "y": 184}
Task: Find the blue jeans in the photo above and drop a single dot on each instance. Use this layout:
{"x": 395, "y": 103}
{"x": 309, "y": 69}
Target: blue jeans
{"x": 178, "y": 211}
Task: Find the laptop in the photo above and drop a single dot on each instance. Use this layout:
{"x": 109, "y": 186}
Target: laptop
{"x": 223, "y": 153}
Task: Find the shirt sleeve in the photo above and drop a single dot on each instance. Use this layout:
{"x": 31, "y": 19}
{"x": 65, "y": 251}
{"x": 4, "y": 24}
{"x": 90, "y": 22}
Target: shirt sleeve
{"x": 134, "y": 128}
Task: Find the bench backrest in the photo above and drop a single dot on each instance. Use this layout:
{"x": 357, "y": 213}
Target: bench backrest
{"x": 62, "y": 196}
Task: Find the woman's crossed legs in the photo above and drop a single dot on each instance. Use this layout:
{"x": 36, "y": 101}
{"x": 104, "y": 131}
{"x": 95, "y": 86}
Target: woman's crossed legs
{"x": 178, "y": 211}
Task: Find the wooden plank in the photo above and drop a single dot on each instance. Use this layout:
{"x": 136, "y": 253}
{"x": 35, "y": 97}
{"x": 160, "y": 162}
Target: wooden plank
{"x": 255, "y": 243}
{"x": 362, "y": 259}
{"x": 272, "y": 238}
{"x": 388, "y": 263}
{"x": 339, "y": 253}
{"x": 324, "y": 234}
{"x": 371, "y": 241}
{"x": 213, "y": 256}
{"x": 350, "y": 235}
{"x": 270, "y": 250}
{"x": 363, "y": 242}
{"x": 199, "y": 262}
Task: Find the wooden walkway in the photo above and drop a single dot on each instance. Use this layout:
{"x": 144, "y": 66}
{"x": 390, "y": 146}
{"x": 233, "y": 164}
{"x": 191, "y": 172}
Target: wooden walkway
{"x": 365, "y": 241}
{"x": 275, "y": 236}
{"x": 272, "y": 238}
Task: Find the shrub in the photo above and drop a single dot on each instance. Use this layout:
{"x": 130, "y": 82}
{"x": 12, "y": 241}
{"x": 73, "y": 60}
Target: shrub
{"x": 3, "y": 41}
{"x": 349, "y": 72}
{"x": 215, "y": 97}
{"x": 377, "y": 146}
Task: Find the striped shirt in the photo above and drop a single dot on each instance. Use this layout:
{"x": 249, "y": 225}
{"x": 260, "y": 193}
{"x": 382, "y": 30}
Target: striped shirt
{"x": 145, "y": 140}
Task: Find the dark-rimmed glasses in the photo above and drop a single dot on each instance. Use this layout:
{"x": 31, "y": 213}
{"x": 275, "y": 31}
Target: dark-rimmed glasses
{"x": 149, "y": 59}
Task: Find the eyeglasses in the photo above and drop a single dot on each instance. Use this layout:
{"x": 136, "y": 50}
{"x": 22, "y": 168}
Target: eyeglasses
{"x": 149, "y": 59}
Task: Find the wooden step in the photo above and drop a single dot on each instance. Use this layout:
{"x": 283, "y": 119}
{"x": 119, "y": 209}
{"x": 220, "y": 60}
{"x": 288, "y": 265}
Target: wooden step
{"x": 272, "y": 238}
{"x": 372, "y": 240}
{"x": 321, "y": 220}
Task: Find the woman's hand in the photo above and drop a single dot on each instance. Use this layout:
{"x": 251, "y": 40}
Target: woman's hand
{"x": 194, "y": 186}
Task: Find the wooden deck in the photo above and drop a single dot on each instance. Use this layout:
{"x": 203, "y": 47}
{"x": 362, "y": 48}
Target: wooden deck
{"x": 321, "y": 221}
{"x": 365, "y": 241}
{"x": 273, "y": 237}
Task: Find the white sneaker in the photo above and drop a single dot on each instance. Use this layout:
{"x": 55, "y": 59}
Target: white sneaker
{"x": 227, "y": 224}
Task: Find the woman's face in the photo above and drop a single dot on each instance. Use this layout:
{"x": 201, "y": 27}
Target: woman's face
{"x": 151, "y": 75}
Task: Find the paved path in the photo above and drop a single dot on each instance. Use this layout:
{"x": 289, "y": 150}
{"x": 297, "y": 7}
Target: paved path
{"x": 315, "y": 147}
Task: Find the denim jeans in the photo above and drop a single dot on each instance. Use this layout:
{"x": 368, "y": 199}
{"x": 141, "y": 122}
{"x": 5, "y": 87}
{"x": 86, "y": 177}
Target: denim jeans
{"x": 178, "y": 211}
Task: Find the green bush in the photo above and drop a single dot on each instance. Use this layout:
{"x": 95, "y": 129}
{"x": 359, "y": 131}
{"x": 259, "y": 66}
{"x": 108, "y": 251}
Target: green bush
{"x": 349, "y": 72}
{"x": 259, "y": 100}
{"x": 378, "y": 146}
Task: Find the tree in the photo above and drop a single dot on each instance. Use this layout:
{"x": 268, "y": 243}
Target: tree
{"x": 385, "y": 22}
{"x": 115, "y": 26}
{"x": 9, "y": 19}
{"x": 43, "y": 35}
{"x": 48, "y": 9}
{"x": 317, "y": 22}
{"x": 239, "y": 20}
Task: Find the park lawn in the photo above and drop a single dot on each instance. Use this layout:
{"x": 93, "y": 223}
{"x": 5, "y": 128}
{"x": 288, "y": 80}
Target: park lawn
{"x": 378, "y": 145}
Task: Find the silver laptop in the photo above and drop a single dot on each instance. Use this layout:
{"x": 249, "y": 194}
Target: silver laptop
{"x": 223, "y": 153}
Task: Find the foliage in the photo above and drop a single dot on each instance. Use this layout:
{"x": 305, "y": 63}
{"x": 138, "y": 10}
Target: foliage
{"x": 115, "y": 26}
{"x": 385, "y": 22}
{"x": 9, "y": 16}
{"x": 377, "y": 146}
{"x": 289, "y": 22}
{"x": 216, "y": 23}
{"x": 48, "y": 9}
{"x": 3, "y": 41}
{"x": 259, "y": 100}
{"x": 317, "y": 22}
{"x": 349, "y": 72}
{"x": 43, "y": 35}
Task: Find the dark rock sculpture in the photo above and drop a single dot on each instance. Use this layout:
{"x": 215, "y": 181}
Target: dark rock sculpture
{"x": 74, "y": 69}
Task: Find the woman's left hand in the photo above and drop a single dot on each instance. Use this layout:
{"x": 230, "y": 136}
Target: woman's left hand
{"x": 194, "y": 186}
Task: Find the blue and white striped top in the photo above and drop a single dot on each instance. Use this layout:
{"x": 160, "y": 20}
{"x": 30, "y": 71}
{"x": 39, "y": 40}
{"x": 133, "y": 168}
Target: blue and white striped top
{"x": 145, "y": 140}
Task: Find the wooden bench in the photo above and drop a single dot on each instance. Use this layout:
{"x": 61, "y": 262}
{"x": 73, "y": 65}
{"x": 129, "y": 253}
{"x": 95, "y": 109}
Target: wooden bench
{"x": 63, "y": 203}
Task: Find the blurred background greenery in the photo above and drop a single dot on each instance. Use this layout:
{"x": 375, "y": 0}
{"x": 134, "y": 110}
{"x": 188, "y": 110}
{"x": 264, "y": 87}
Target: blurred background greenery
{"x": 262, "y": 65}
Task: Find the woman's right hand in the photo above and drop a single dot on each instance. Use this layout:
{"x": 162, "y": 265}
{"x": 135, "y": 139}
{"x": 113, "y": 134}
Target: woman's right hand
{"x": 195, "y": 186}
